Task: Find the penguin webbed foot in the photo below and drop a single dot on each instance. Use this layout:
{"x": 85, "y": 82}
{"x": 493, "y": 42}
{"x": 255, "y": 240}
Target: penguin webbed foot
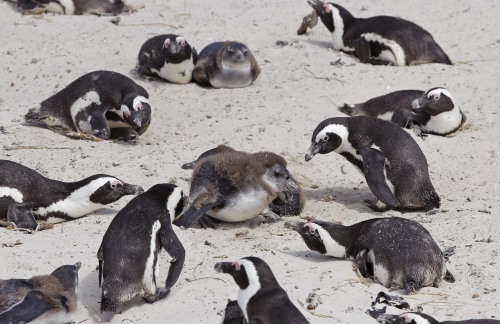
{"x": 270, "y": 217}
{"x": 433, "y": 211}
{"x": 79, "y": 135}
{"x": 161, "y": 293}
{"x": 124, "y": 134}
{"x": 206, "y": 221}
{"x": 417, "y": 131}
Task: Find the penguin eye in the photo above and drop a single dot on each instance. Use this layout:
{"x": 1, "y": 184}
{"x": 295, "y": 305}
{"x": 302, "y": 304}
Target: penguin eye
{"x": 325, "y": 139}
{"x": 436, "y": 97}
{"x": 230, "y": 50}
{"x": 113, "y": 186}
{"x": 245, "y": 53}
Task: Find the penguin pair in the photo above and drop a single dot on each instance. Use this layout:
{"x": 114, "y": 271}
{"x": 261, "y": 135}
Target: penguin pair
{"x": 395, "y": 252}
{"x": 41, "y": 299}
{"x": 72, "y": 7}
{"x": 379, "y": 40}
{"x": 26, "y": 196}
{"x": 98, "y": 105}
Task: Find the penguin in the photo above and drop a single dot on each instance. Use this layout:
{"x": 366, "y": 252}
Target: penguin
{"x": 260, "y": 298}
{"x": 394, "y": 166}
{"x": 226, "y": 65}
{"x": 234, "y": 186}
{"x": 130, "y": 249}
{"x": 72, "y": 7}
{"x": 395, "y": 252}
{"x": 168, "y": 57}
{"x": 421, "y": 318}
{"x": 41, "y": 299}
{"x": 434, "y": 111}
{"x": 95, "y": 103}
{"x": 26, "y": 195}
{"x": 379, "y": 40}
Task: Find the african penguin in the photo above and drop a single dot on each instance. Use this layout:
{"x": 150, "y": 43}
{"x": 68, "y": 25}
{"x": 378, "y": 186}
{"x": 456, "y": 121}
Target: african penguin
{"x": 130, "y": 249}
{"x": 396, "y": 252}
{"x": 168, "y": 57}
{"x": 431, "y": 112}
{"x": 72, "y": 7}
{"x": 394, "y": 166}
{"x": 234, "y": 186}
{"x": 26, "y": 195}
{"x": 380, "y": 40}
{"x": 260, "y": 298}
{"x": 421, "y": 318}
{"x": 41, "y": 299}
{"x": 226, "y": 65}
{"x": 95, "y": 103}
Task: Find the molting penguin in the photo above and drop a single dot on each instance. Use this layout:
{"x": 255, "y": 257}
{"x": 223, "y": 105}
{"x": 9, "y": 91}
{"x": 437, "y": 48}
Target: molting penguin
{"x": 167, "y": 57}
{"x": 431, "y": 112}
{"x": 396, "y": 252}
{"x": 95, "y": 103}
{"x": 380, "y": 39}
{"x": 394, "y": 166}
{"x": 41, "y": 299}
{"x": 72, "y": 7}
{"x": 234, "y": 186}
{"x": 226, "y": 65}
{"x": 421, "y": 318}
{"x": 129, "y": 252}
{"x": 25, "y": 195}
{"x": 260, "y": 298}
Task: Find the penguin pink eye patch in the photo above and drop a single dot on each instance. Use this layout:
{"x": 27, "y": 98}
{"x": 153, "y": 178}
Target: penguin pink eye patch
{"x": 435, "y": 95}
{"x": 181, "y": 41}
{"x": 327, "y": 8}
{"x": 236, "y": 265}
{"x": 320, "y": 137}
{"x": 115, "y": 184}
{"x": 310, "y": 227}
{"x": 138, "y": 106}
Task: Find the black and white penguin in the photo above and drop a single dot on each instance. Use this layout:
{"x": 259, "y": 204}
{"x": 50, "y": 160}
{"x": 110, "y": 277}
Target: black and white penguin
{"x": 168, "y": 57}
{"x": 431, "y": 112}
{"x": 226, "y": 65}
{"x": 234, "y": 186}
{"x": 381, "y": 39}
{"x": 41, "y": 299}
{"x": 93, "y": 104}
{"x": 72, "y": 7}
{"x": 130, "y": 249}
{"x": 260, "y": 298}
{"x": 394, "y": 166}
{"x": 396, "y": 252}
{"x": 26, "y": 195}
{"x": 421, "y": 318}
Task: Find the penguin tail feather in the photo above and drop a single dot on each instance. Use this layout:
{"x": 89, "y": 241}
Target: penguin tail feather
{"x": 346, "y": 109}
{"x": 33, "y": 116}
{"x": 448, "y": 277}
{"x": 107, "y": 305}
{"x": 411, "y": 285}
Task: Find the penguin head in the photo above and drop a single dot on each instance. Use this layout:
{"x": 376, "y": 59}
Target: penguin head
{"x": 248, "y": 272}
{"x": 176, "y": 49}
{"x": 330, "y": 14}
{"x": 435, "y": 101}
{"x": 68, "y": 276}
{"x": 234, "y": 55}
{"x": 310, "y": 234}
{"x": 330, "y": 135}
{"x": 136, "y": 110}
{"x": 169, "y": 195}
{"x": 106, "y": 189}
{"x": 279, "y": 179}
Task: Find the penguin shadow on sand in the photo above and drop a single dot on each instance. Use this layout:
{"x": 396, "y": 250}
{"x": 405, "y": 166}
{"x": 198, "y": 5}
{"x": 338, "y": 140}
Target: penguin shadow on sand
{"x": 309, "y": 256}
{"x": 355, "y": 199}
{"x": 319, "y": 43}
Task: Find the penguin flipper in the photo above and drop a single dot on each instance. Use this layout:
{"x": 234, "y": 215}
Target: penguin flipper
{"x": 174, "y": 248}
{"x": 402, "y": 117}
{"x": 29, "y": 308}
{"x": 374, "y": 166}
{"x": 191, "y": 215}
{"x": 100, "y": 257}
{"x": 21, "y": 215}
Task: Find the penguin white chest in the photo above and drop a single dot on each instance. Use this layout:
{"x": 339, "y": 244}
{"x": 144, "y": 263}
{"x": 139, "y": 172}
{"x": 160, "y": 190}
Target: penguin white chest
{"x": 176, "y": 73}
{"x": 380, "y": 273}
{"x": 243, "y": 206}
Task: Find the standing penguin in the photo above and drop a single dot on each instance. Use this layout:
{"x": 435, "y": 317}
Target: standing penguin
{"x": 130, "y": 249}
{"x": 260, "y": 298}
{"x": 394, "y": 166}
{"x": 431, "y": 112}
{"x": 95, "y": 103}
{"x": 226, "y": 65}
{"x": 396, "y": 252}
{"x": 168, "y": 57}
{"x": 72, "y": 7}
{"x": 41, "y": 299}
{"x": 381, "y": 39}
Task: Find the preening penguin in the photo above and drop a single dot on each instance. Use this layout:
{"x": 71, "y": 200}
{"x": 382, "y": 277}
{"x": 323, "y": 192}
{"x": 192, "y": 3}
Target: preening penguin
{"x": 72, "y": 7}
{"x": 94, "y": 104}
{"x": 260, "y": 298}
{"x": 41, "y": 299}
{"x": 129, "y": 252}
{"x": 394, "y": 166}
{"x": 396, "y": 252}
{"x": 379, "y": 40}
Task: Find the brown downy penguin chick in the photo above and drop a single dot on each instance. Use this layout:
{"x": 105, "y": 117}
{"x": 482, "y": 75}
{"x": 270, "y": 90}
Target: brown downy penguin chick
{"x": 394, "y": 166}
{"x": 260, "y": 298}
{"x": 226, "y": 65}
{"x": 72, "y": 7}
{"x": 396, "y": 252}
{"x": 41, "y": 299}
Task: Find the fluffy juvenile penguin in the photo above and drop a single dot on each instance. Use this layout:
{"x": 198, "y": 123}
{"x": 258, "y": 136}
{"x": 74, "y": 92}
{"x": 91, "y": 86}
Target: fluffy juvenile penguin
{"x": 396, "y": 252}
{"x": 431, "y": 112}
{"x": 168, "y": 57}
{"x": 261, "y": 298}
{"x": 41, "y": 299}
{"x": 379, "y": 40}
{"x": 26, "y": 195}
{"x": 233, "y": 186}
{"x": 95, "y": 103}
{"x": 394, "y": 166}
{"x": 130, "y": 250}
{"x": 421, "y": 318}
{"x": 226, "y": 65}
{"x": 72, "y": 7}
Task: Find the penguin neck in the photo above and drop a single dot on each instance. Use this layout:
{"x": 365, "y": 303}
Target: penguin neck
{"x": 342, "y": 20}
{"x": 253, "y": 287}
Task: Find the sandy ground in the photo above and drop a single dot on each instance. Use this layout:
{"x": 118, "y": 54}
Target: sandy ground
{"x": 296, "y": 90}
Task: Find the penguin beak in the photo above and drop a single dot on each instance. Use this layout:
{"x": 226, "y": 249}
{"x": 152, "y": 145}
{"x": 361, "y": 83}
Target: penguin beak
{"x": 313, "y": 150}
{"x": 128, "y": 189}
{"x": 77, "y": 265}
{"x": 417, "y": 103}
{"x": 296, "y": 226}
{"x": 138, "y": 121}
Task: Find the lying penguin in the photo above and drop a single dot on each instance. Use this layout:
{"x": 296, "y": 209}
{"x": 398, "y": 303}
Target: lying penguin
{"x": 380, "y": 40}
{"x": 72, "y": 7}
{"x": 130, "y": 249}
{"x": 431, "y": 112}
{"x": 396, "y": 252}
{"x": 94, "y": 105}
{"x": 234, "y": 186}
{"x": 226, "y": 65}
{"x": 26, "y": 196}
{"x": 260, "y": 298}
{"x": 421, "y": 318}
{"x": 394, "y": 166}
{"x": 41, "y": 299}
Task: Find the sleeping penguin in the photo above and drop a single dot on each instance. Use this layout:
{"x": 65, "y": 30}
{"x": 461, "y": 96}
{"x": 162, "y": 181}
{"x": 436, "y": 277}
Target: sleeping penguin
{"x": 72, "y": 7}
